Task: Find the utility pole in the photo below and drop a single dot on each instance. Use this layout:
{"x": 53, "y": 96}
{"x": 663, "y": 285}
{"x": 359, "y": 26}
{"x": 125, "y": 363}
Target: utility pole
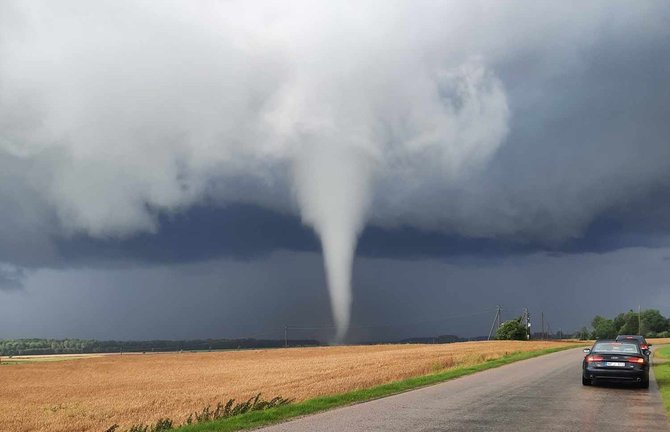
{"x": 526, "y": 320}
{"x": 496, "y": 319}
{"x": 285, "y": 336}
{"x": 542, "y": 315}
{"x": 499, "y": 315}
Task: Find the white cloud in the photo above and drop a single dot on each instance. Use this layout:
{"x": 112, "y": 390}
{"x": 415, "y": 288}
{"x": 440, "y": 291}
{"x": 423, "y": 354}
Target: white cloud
{"x": 120, "y": 110}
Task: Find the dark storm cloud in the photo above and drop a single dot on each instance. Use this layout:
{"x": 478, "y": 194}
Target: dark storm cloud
{"x": 250, "y": 232}
{"x": 199, "y": 234}
{"x": 11, "y": 278}
{"x": 393, "y": 298}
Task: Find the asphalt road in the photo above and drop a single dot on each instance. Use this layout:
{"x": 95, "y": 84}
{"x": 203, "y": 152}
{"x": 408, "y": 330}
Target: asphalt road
{"x": 541, "y": 394}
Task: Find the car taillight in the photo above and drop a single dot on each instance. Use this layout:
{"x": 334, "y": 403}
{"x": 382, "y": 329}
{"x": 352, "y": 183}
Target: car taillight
{"x": 637, "y": 360}
{"x": 594, "y": 358}
{"x": 644, "y": 347}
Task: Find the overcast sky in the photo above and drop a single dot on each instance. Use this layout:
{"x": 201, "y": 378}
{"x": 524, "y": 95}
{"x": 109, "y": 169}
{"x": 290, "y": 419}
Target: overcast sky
{"x": 173, "y": 169}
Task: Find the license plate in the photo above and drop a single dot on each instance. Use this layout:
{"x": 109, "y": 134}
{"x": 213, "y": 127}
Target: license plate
{"x": 615, "y": 364}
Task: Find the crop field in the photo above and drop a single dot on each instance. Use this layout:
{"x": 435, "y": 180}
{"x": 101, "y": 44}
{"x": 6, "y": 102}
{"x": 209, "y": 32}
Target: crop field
{"x": 92, "y": 393}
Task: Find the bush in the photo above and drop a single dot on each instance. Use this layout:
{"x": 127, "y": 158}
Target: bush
{"x": 512, "y": 330}
{"x": 230, "y": 409}
{"x": 206, "y": 414}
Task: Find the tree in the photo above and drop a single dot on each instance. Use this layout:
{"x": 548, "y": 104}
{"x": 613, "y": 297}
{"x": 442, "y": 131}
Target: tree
{"x": 603, "y": 328}
{"x": 649, "y": 323}
{"x": 597, "y": 320}
{"x": 653, "y": 321}
{"x": 512, "y": 330}
{"x": 630, "y": 325}
{"x": 583, "y": 334}
{"x": 619, "y": 321}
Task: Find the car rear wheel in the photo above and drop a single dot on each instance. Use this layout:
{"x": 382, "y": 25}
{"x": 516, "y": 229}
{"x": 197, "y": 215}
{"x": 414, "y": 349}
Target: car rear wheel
{"x": 586, "y": 381}
{"x": 645, "y": 384}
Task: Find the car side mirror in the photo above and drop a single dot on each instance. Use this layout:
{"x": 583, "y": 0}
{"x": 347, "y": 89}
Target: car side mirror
{"x": 649, "y": 345}
{"x": 587, "y": 350}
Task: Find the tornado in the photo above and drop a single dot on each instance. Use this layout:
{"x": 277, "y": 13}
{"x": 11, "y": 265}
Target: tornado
{"x": 333, "y": 185}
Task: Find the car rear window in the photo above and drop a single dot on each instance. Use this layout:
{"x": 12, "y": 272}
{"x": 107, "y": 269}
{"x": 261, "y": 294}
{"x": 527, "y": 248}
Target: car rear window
{"x": 616, "y": 347}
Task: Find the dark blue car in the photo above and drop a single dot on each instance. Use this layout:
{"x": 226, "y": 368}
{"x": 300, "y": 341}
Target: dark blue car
{"x": 609, "y": 360}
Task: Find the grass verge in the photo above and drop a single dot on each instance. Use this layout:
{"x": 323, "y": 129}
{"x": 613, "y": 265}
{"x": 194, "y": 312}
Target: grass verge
{"x": 662, "y": 372}
{"x": 311, "y": 406}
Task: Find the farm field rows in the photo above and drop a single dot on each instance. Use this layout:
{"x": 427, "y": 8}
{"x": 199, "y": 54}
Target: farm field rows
{"x": 91, "y": 394}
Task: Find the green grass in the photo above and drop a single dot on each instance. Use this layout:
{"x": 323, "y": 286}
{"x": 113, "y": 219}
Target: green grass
{"x": 662, "y": 372}
{"x": 311, "y": 406}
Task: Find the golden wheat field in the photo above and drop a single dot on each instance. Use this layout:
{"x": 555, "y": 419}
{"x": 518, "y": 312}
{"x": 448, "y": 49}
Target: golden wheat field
{"x": 92, "y": 393}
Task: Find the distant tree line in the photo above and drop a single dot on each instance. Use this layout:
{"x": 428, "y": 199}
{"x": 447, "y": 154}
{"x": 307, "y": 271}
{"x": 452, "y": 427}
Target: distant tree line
{"x": 80, "y": 346}
{"x": 648, "y": 323}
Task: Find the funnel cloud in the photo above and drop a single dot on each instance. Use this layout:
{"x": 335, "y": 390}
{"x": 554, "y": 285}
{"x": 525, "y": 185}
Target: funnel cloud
{"x": 333, "y": 190}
